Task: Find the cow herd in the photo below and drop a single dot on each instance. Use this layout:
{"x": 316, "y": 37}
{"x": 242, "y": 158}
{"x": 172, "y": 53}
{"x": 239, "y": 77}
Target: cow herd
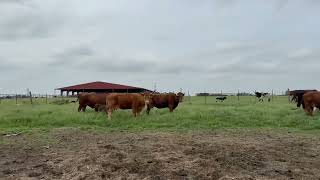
{"x": 309, "y": 99}
{"x": 109, "y": 102}
{"x": 134, "y": 101}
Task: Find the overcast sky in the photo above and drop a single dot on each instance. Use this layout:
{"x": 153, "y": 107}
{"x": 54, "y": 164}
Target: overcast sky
{"x": 207, "y": 45}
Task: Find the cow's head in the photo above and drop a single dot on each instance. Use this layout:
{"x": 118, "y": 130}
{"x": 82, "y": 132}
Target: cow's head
{"x": 292, "y": 93}
{"x": 180, "y": 95}
{"x": 147, "y": 97}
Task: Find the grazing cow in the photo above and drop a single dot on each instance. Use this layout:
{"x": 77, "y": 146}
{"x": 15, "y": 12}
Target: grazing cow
{"x": 297, "y": 96}
{"x": 221, "y": 98}
{"x": 100, "y": 107}
{"x": 134, "y": 101}
{"x": 311, "y": 100}
{"x": 90, "y": 99}
{"x": 261, "y": 96}
{"x": 167, "y": 100}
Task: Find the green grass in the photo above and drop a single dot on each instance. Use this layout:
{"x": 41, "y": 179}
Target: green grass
{"x": 193, "y": 115}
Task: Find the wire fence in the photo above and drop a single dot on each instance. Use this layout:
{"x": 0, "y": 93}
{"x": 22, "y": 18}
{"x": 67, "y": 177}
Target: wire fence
{"x": 33, "y": 98}
{"x": 207, "y": 97}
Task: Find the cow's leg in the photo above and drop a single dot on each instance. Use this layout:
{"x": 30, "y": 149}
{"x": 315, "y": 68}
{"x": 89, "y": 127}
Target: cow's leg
{"x": 80, "y": 108}
{"x": 309, "y": 110}
{"x": 314, "y": 109}
{"x": 148, "y": 109}
{"x": 171, "y": 108}
{"x": 109, "y": 113}
{"x": 84, "y": 108}
{"x": 134, "y": 112}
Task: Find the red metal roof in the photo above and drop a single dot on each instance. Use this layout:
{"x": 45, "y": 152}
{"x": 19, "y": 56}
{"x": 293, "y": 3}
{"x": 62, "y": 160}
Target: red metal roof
{"x": 98, "y": 85}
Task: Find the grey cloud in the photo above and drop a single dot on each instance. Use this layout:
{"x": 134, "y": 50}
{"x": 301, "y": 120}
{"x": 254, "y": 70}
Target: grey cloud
{"x": 6, "y": 66}
{"x": 30, "y": 22}
{"x": 71, "y": 55}
{"x": 22, "y": 2}
{"x": 114, "y": 65}
{"x": 280, "y": 4}
{"x": 222, "y": 41}
{"x": 252, "y": 68}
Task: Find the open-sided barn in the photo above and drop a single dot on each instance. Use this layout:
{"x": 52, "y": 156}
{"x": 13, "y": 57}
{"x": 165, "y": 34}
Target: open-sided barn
{"x": 100, "y": 87}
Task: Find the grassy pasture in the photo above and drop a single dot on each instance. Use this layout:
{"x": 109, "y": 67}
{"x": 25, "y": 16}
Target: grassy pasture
{"x": 190, "y": 115}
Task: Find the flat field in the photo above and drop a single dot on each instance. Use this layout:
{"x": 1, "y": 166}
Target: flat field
{"x": 201, "y": 139}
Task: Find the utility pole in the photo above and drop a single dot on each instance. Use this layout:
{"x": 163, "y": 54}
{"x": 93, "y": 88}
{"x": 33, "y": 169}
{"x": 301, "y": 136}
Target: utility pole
{"x": 155, "y": 87}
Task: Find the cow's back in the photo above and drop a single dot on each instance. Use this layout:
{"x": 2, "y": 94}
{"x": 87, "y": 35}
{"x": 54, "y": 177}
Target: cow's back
{"x": 125, "y": 101}
{"x": 98, "y": 98}
{"x": 312, "y": 97}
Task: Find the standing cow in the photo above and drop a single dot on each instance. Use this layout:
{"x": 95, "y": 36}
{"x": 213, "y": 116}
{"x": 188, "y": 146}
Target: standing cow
{"x": 134, "y": 101}
{"x": 297, "y": 96}
{"x": 90, "y": 99}
{"x": 261, "y": 96}
{"x": 168, "y": 100}
{"x": 221, "y": 98}
{"x": 311, "y": 101}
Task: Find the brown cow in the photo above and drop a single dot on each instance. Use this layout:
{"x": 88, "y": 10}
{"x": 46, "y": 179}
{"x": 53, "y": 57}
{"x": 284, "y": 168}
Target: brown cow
{"x": 90, "y": 99}
{"x": 168, "y": 100}
{"x": 134, "y": 101}
{"x": 311, "y": 100}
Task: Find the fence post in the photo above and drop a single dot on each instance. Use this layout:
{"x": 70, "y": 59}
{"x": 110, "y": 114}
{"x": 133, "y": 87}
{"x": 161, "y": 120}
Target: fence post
{"x": 205, "y": 98}
{"x": 272, "y": 96}
{"x": 16, "y": 98}
{"x": 189, "y": 97}
{"x": 46, "y": 98}
{"x": 30, "y": 97}
{"x": 238, "y": 95}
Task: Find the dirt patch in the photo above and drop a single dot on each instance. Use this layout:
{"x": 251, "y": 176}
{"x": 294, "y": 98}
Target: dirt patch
{"x": 73, "y": 154}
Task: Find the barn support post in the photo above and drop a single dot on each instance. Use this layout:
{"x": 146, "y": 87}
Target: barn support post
{"x": 61, "y": 93}
{"x": 67, "y": 93}
{"x": 72, "y": 93}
